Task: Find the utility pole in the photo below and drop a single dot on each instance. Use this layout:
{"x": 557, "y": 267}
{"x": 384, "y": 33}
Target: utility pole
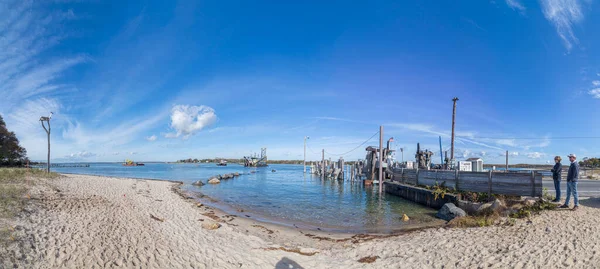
{"x": 380, "y": 159}
{"x": 402, "y": 151}
{"x": 452, "y": 140}
{"x": 306, "y": 137}
{"x": 42, "y": 120}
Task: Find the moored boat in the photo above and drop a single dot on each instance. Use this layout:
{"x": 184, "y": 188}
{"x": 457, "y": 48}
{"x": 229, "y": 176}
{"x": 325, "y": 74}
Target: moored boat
{"x": 132, "y": 163}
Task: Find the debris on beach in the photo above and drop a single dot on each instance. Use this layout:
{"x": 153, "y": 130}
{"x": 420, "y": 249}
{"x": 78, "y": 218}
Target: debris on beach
{"x": 199, "y": 204}
{"x": 293, "y": 250}
{"x": 211, "y": 225}
{"x": 405, "y": 217}
{"x": 265, "y": 228}
{"x": 157, "y": 218}
{"x": 368, "y": 259}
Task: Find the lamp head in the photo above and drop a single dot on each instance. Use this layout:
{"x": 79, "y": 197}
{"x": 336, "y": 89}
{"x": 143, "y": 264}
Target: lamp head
{"x": 49, "y": 117}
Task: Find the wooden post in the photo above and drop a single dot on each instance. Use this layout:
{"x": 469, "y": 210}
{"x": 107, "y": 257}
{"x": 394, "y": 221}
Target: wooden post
{"x": 456, "y": 177}
{"x": 452, "y": 140}
{"x": 533, "y": 184}
{"x": 490, "y": 185}
{"x": 47, "y": 119}
{"x": 506, "y": 162}
{"x": 323, "y": 163}
{"x": 380, "y": 159}
{"x": 417, "y": 177}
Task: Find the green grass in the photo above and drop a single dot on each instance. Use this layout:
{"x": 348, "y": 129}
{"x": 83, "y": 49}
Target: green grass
{"x": 536, "y": 208}
{"x": 18, "y": 175}
{"x": 474, "y": 221}
{"x": 14, "y": 185}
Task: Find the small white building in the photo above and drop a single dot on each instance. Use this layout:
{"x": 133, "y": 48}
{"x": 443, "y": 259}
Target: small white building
{"x": 476, "y": 164}
{"x": 465, "y": 166}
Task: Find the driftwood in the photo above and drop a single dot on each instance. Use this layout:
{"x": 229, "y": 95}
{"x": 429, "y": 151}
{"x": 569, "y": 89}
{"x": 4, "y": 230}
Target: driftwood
{"x": 157, "y": 218}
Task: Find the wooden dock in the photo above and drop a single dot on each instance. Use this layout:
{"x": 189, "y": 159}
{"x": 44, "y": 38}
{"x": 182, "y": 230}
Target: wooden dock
{"x": 511, "y": 183}
{"x": 62, "y": 165}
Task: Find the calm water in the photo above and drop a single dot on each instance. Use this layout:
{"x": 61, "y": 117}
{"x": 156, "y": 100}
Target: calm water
{"x": 285, "y": 196}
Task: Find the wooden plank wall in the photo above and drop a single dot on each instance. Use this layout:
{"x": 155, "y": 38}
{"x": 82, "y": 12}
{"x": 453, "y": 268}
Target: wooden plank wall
{"x": 512, "y": 183}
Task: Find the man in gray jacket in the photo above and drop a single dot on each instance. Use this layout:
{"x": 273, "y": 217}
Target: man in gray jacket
{"x": 572, "y": 178}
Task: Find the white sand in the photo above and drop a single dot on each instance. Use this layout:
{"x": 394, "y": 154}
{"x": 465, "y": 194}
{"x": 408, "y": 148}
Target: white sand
{"x": 96, "y": 222}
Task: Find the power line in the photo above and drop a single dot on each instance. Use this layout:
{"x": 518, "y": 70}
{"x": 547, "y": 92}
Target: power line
{"x": 535, "y": 138}
{"x": 333, "y": 154}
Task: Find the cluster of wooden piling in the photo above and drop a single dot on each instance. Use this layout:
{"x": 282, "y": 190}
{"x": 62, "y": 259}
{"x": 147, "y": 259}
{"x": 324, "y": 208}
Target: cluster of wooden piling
{"x": 338, "y": 170}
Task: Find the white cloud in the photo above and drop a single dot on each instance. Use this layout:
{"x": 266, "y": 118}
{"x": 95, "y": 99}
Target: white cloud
{"x": 81, "y": 155}
{"x": 595, "y": 93}
{"x": 133, "y": 153}
{"x": 516, "y": 5}
{"x": 563, "y": 14}
{"x": 596, "y": 82}
{"x": 187, "y": 120}
{"x": 510, "y": 153}
{"x": 151, "y": 138}
{"x": 535, "y": 155}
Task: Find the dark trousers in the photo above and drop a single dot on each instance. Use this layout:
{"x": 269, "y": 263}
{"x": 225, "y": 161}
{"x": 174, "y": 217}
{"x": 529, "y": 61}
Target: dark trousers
{"x": 557, "y": 188}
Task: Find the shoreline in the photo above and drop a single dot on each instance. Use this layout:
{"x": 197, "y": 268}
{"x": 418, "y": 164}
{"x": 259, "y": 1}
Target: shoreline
{"x": 81, "y": 221}
{"x": 225, "y": 208}
{"x": 260, "y": 218}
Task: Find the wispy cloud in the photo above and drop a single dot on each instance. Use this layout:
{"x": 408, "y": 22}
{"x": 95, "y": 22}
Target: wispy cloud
{"x": 563, "y": 14}
{"x": 595, "y": 93}
{"x": 26, "y": 33}
{"x": 429, "y": 129}
{"x": 340, "y": 119}
{"x": 123, "y": 133}
{"x": 506, "y": 142}
{"x": 516, "y": 5}
{"x": 151, "y": 138}
{"x": 535, "y": 155}
{"x": 81, "y": 155}
{"x": 596, "y": 82}
{"x": 472, "y": 22}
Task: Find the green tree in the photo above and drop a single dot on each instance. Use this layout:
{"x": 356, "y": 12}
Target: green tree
{"x": 11, "y": 153}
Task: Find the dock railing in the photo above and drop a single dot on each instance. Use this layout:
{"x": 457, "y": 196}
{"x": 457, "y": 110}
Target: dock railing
{"x": 511, "y": 183}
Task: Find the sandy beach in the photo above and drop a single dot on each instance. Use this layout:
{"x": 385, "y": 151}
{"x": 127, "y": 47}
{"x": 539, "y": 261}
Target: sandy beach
{"x": 80, "y": 221}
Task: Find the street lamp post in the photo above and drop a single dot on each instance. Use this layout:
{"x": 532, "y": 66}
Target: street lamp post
{"x": 306, "y": 137}
{"x": 42, "y": 120}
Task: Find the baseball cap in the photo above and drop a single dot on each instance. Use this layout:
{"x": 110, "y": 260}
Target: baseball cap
{"x": 572, "y": 155}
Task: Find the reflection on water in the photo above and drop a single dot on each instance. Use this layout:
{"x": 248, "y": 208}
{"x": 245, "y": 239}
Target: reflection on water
{"x": 286, "y": 196}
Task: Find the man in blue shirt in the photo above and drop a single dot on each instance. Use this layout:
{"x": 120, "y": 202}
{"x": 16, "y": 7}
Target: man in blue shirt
{"x": 572, "y": 178}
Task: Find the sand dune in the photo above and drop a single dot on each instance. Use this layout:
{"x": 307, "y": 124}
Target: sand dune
{"x": 98, "y": 222}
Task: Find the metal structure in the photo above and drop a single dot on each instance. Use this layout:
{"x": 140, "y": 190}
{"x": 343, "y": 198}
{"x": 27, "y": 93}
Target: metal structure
{"x": 441, "y": 152}
{"x": 257, "y": 161}
{"x": 381, "y": 158}
{"x": 42, "y": 120}
{"x": 372, "y": 167}
{"x": 423, "y": 158}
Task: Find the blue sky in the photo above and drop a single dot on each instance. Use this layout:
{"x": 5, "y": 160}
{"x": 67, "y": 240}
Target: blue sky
{"x": 166, "y": 80}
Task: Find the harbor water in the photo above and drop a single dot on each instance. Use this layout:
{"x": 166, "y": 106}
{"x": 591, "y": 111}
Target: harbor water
{"x": 284, "y": 196}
